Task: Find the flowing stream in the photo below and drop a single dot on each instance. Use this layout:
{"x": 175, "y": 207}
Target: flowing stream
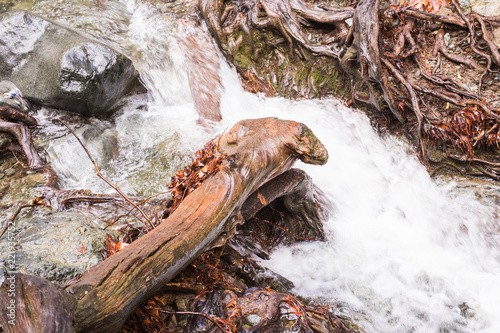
{"x": 405, "y": 253}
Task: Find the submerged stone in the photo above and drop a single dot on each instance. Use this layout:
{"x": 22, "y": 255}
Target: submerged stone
{"x": 102, "y": 143}
{"x": 56, "y": 66}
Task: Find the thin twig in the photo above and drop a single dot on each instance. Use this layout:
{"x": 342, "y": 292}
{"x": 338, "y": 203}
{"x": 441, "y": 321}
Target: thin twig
{"x": 98, "y": 172}
{"x": 449, "y": 19}
{"x": 13, "y": 217}
{"x": 140, "y": 203}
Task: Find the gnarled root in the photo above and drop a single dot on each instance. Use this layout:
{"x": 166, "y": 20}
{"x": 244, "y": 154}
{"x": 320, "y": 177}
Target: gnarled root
{"x": 23, "y": 136}
{"x": 387, "y": 67}
{"x": 441, "y": 47}
{"x": 365, "y": 51}
{"x": 284, "y": 16}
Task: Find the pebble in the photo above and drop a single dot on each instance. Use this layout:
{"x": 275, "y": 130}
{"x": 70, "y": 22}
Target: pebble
{"x": 447, "y": 39}
{"x": 253, "y": 319}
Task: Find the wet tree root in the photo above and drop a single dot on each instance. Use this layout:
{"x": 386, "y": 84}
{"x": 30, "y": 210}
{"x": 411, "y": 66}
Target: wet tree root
{"x": 441, "y": 47}
{"x": 14, "y": 123}
{"x": 23, "y": 137}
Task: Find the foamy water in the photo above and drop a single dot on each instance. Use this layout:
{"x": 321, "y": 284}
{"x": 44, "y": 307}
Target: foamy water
{"x": 404, "y": 253}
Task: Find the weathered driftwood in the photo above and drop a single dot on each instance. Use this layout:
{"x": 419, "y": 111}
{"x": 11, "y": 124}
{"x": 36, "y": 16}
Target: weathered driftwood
{"x": 257, "y": 151}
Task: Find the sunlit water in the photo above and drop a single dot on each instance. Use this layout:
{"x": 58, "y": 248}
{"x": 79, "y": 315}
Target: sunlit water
{"x": 404, "y": 253}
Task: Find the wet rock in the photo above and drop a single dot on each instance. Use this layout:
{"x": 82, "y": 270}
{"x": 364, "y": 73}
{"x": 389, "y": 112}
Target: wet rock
{"x": 58, "y": 67}
{"x": 263, "y": 310}
{"x": 482, "y": 7}
{"x": 56, "y": 246}
{"x": 4, "y": 140}
{"x": 294, "y": 213}
{"x": 465, "y": 5}
{"x": 209, "y": 304}
{"x": 17, "y": 185}
{"x": 485, "y": 7}
{"x": 5, "y": 5}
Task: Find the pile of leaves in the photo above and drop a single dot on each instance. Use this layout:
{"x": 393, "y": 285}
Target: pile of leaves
{"x": 432, "y": 6}
{"x": 111, "y": 246}
{"x": 468, "y": 128}
{"x": 206, "y": 163}
{"x": 166, "y": 311}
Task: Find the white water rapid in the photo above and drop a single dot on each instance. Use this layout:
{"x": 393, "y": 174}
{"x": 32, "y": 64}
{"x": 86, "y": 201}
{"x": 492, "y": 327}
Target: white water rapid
{"x": 405, "y": 253}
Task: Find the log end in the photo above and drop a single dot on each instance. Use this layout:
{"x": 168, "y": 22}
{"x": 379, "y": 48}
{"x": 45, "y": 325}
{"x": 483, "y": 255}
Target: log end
{"x": 34, "y": 304}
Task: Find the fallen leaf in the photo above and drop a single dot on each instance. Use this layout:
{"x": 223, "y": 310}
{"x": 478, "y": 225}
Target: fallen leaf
{"x": 81, "y": 248}
{"x": 261, "y": 199}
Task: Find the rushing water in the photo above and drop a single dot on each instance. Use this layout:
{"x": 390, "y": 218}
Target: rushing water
{"x": 405, "y": 253}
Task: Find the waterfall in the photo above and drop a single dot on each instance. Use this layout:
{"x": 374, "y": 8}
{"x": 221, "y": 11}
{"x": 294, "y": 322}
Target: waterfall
{"x": 405, "y": 253}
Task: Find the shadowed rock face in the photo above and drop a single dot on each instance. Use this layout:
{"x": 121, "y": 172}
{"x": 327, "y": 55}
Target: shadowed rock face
{"x": 56, "y": 66}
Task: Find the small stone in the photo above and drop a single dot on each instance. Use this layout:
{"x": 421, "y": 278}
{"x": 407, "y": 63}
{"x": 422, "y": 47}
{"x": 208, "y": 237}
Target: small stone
{"x": 182, "y": 304}
{"x": 395, "y": 23}
{"x": 253, "y": 319}
{"x": 10, "y": 172}
{"x": 473, "y": 88}
{"x": 447, "y": 39}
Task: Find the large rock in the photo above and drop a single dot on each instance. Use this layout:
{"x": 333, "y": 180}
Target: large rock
{"x": 56, "y": 66}
{"x": 46, "y": 242}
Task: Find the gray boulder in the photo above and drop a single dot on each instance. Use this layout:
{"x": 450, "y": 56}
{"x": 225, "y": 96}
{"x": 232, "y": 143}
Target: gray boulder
{"x": 56, "y": 66}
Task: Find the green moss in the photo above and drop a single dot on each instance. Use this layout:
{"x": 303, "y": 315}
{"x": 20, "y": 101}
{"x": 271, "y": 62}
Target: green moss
{"x": 290, "y": 75}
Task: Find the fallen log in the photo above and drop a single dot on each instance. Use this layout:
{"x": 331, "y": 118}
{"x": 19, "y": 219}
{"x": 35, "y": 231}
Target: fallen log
{"x": 257, "y": 151}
